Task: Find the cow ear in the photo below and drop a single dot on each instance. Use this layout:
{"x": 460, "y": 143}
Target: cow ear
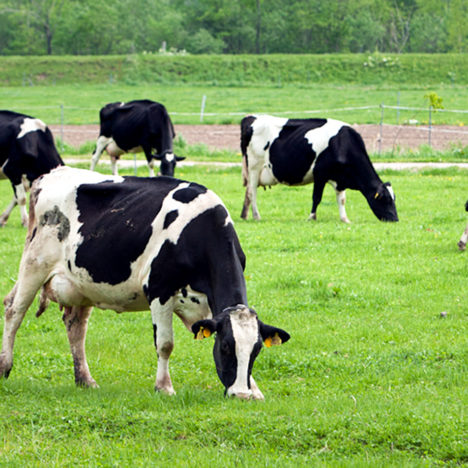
{"x": 203, "y": 329}
{"x": 272, "y": 336}
{"x": 179, "y": 158}
{"x": 157, "y": 156}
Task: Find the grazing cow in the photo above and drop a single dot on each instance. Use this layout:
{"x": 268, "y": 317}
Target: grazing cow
{"x": 464, "y": 238}
{"x": 134, "y": 127}
{"x": 302, "y": 151}
{"x": 130, "y": 244}
{"x": 27, "y": 150}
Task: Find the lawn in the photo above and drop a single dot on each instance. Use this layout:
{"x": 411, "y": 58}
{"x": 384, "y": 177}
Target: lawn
{"x": 374, "y": 373}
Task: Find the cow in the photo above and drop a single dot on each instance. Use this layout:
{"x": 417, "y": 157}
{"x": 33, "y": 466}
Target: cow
{"x": 131, "y": 244}
{"x": 134, "y": 127}
{"x": 303, "y": 151}
{"x": 464, "y": 238}
{"x": 27, "y": 150}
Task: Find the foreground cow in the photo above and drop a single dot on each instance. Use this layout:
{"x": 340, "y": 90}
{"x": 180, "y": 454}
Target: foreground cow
{"x": 130, "y": 244}
{"x": 134, "y": 127}
{"x": 464, "y": 237}
{"x": 302, "y": 151}
{"x": 27, "y": 150}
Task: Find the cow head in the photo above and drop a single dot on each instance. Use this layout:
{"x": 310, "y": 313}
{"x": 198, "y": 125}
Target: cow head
{"x": 238, "y": 341}
{"x": 382, "y": 203}
{"x": 168, "y": 163}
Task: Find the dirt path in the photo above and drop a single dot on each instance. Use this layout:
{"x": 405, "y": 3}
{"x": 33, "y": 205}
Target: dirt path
{"x": 394, "y": 137}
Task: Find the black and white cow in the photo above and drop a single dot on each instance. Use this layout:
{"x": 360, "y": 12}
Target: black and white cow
{"x": 302, "y": 151}
{"x": 134, "y": 127}
{"x": 130, "y": 244}
{"x": 27, "y": 150}
{"x": 464, "y": 238}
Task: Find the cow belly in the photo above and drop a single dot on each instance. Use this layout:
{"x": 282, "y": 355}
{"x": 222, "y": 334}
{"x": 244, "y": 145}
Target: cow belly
{"x": 68, "y": 291}
{"x": 115, "y": 151}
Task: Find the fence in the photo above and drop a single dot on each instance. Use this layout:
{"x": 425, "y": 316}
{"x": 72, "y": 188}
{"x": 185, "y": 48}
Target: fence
{"x": 459, "y": 134}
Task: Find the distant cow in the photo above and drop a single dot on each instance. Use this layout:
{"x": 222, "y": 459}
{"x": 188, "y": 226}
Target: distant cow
{"x": 302, "y": 151}
{"x": 130, "y": 244}
{"x": 464, "y": 237}
{"x": 27, "y": 150}
{"x": 134, "y": 127}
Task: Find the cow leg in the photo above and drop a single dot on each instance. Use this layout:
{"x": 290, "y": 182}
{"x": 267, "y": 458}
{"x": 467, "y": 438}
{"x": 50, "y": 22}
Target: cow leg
{"x": 252, "y": 188}
{"x": 340, "y": 200}
{"x": 114, "y": 165}
{"x": 20, "y": 193}
{"x": 16, "y": 303}
{"x": 151, "y": 168}
{"x": 317, "y": 193}
{"x": 164, "y": 343}
{"x": 76, "y": 323}
{"x": 101, "y": 144}
{"x": 6, "y": 214}
{"x": 246, "y": 205}
{"x": 463, "y": 239}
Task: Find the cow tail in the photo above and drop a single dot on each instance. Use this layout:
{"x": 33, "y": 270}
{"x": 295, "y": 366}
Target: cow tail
{"x": 246, "y": 136}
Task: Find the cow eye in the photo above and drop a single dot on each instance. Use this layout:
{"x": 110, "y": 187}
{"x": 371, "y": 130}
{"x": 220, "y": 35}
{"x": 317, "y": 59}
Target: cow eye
{"x": 225, "y": 347}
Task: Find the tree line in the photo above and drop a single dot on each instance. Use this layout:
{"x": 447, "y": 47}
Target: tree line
{"x": 87, "y": 27}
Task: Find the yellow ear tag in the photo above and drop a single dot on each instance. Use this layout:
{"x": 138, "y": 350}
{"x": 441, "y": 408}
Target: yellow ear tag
{"x": 206, "y": 332}
{"x": 276, "y": 340}
{"x": 268, "y": 342}
{"x": 200, "y": 334}
{"x": 376, "y": 195}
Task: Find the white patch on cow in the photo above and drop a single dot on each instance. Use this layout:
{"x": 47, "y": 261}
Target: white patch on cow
{"x": 169, "y": 157}
{"x": 320, "y": 137}
{"x": 245, "y": 331}
{"x": 191, "y": 306}
{"x": 31, "y": 125}
{"x": 390, "y": 190}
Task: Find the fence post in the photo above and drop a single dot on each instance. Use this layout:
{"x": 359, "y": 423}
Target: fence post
{"x": 381, "y": 126}
{"x": 61, "y": 128}
{"x": 202, "y": 110}
{"x": 430, "y": 127}
{"x": 398, "y": 109}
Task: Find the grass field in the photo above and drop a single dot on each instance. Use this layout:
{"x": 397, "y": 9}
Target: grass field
{"x": 82, "y": 102}
{"x": 373, "y": 374}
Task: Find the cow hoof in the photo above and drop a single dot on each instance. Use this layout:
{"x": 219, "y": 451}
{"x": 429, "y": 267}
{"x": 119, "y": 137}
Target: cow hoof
{"x": 312, "y": 217}
{"x": 257, "y": 395}
{"x": 5, "y": 369}
{"x": 166, "y": 391}
{"x": 461, "y": 246}
{"x": 345, "y": 220}
{"x": 86, "y": 383}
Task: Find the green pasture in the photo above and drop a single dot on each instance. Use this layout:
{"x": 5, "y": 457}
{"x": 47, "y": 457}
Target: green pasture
{"x": 80, "y": 103}
{"x": 374, "y": 373}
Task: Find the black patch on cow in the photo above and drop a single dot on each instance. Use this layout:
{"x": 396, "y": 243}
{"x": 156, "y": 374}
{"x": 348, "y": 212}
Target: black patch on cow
{"x": 116, "y": 224}
{"x": 207, "y": 257}
{"x": 69, "y": 265}
{"x": 33, "y": 234}
{"x": 55, "y": 217}
{"x": 184, "y": 292}
{"x": 291, "y": 141}
{"x": 188, "y": 194}
{"x": 266, "y": 146}
{"x": 155, "y": 331}
{"x": 170, "y": 218}
{"x": 195, "y": 300}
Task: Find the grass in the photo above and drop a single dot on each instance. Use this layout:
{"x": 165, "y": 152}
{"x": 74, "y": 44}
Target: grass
{"x": 373, "y": 374}
{"x": 228, "y": 104}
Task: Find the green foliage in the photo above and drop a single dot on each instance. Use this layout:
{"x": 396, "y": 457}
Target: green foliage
{"x": 373, "y": 375}
{"x": 261, "y": 70}
{"x": 435, "y": 101}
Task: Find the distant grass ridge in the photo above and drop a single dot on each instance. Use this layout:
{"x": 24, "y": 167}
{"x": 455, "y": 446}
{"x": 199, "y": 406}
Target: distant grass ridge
{"x": 276, "y": 69}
